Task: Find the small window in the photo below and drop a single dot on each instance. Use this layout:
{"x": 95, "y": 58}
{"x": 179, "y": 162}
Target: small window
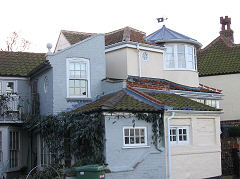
{"x": 135, "y": 136}
{"x": 179, "y": 135}
{"x": 78, "y": 78}
{"x": 14, "y": 148}
{"x": 9, "y": 87}
{"x": 45, "y": 84}
{"x": 145, "y": 56}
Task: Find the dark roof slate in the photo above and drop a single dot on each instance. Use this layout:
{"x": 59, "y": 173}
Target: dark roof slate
{"x": 167, "y": 35}
{"x": 19, "y": 63}
{"x": 218, "y": 58}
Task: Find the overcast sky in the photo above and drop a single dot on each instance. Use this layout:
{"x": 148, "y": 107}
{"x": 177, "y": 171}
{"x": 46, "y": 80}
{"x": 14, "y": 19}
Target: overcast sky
{"x": 41, "y": 21}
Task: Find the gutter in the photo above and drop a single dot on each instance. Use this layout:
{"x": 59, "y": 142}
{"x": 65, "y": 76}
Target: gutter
{"x": 169, "y": 149}
{"x": 194, "y": 112}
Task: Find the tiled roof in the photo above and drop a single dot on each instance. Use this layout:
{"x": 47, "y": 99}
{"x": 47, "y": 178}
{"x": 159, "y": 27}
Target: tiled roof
{"x": 19, "y": 63}
{"x": 124, "y": 34}
{"x": 162, "y": 84}
{"x": 218, "y": 58}
{"x": 123, "y": 102}
{"x": 74, "y": 37}
{"x": 167, "y": 35}
{"x": 178, "y": 102}
{"x": 119, "y": 101}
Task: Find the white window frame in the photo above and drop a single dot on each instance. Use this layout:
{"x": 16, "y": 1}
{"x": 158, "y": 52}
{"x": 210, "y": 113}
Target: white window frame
{"x": 16, "y": 150}
{"x": 178, "y": 142}
{"x": 3, "y": 84}
{"x": 175, "y": 57}
{"x": 79, "y": 60}
{"x": 135, "y": 145}
{"x": 208, "y": 102}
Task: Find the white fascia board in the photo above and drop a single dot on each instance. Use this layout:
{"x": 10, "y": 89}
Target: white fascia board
{"x": 194, "y": 112}
{"x": 130, "y": 44}
{"x": 13, "y": 78}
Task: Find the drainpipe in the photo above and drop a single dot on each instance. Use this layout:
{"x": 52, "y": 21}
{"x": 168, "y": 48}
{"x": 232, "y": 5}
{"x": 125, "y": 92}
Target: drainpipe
{"x": 139, "y": 61}
{"x": 169, "y": 149}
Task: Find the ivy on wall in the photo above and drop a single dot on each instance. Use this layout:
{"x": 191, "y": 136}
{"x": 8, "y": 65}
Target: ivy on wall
{"x": 81, "y": 135}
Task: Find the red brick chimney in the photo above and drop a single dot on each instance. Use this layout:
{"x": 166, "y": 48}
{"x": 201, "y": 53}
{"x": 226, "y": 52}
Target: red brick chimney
{"x": 228, "y": 33}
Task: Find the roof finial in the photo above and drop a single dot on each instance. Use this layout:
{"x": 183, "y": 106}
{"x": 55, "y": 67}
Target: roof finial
{"x": 49, "y": 46}
{"x": 161, "y": 19}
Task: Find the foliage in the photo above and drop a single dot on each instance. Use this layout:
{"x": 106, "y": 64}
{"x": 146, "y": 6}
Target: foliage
{"x": 72, "y": 134}
{"x": 45, "y": 173}
{"x": 157, "y": 125}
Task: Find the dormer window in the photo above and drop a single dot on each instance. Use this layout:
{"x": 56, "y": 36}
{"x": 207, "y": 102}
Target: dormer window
{"x": 180, "y": 57}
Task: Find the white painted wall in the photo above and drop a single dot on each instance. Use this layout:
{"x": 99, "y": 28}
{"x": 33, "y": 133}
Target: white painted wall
{"x": 230, "y": 84}
{"x": 201, "y": 158}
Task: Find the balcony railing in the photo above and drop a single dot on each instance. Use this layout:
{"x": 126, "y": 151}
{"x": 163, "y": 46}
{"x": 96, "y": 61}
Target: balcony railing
{"x": 10, "y": 108}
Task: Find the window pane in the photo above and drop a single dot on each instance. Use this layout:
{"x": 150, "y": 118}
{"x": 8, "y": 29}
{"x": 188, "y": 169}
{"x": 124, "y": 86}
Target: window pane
{"x": 142, "y": 140}
{"x": 180, "y": 131}
{"x": 72, "y": 74}
{"x": 131, "y": 140}
{"x": 142, "y": 132}
{"x": 181, "y": 56}
{"x": 180, "y": 138}
{"x": 77, "y": 83}
{"x": 71, "y": 83}
{"x": 185, "y": 138}
{"x": 126, "y": 140}
{"x": 71, "y": 66}
{"x": 77, "y": 74}
{"x": 137, "y": 132}
{"x": 83, "y": 74}
{"x": 71, "y": 91}
{"x": 184, "y": 131}
{"x": 83, "y": 83}
{"x": 83, "y": 67}
{"x": 126, "y": 132}
{"x": 77, "y": 66}
{"x": 174, "y": 138}
{"x": 131, "y": 132}
{"x": 77, "y": 91}
{"x": 170, "y": 57}
{"x": 9, "y": 87}
{"x": 137, "y": 140}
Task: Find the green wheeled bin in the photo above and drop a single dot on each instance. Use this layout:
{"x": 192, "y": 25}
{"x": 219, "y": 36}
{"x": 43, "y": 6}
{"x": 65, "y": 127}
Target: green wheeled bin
{"x": 90, "y": 171}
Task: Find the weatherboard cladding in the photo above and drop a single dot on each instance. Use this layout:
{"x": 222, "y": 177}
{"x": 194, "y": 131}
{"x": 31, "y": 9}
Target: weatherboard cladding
{"x": 219, "y": 57}
{"x": 19, "y": 63}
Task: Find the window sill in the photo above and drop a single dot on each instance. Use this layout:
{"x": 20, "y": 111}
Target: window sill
{"x": 135, "y": 147}
{"x": 77, "y": 98}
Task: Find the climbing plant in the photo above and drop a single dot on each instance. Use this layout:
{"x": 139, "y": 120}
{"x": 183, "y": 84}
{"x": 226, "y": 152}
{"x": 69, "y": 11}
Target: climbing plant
{"x": 81, "y": 135}
{"x": 72, "y": 134}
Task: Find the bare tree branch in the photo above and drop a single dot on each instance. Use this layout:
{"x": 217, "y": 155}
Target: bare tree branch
{"x": 14, "y": 43}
